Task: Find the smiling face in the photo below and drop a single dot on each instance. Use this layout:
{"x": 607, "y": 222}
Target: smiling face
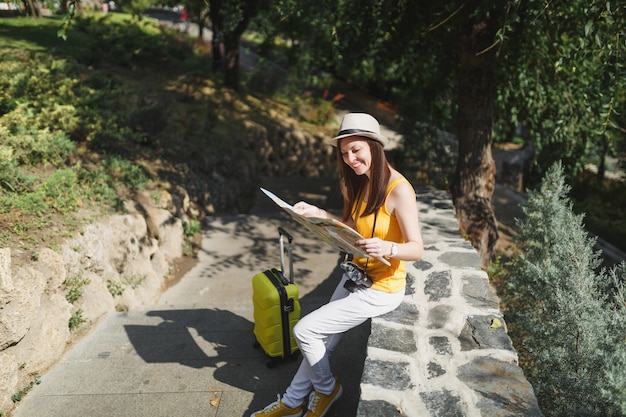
{"x": 356, "y": 153}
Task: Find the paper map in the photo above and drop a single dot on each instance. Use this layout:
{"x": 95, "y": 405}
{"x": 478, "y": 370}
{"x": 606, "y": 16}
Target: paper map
{"x": 331, "y": 231}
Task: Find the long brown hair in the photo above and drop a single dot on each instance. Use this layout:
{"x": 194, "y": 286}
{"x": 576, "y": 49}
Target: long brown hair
{"x": 353, "y": 186}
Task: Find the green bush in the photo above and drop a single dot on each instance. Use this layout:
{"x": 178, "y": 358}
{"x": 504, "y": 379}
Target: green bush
{"x": 192, "y": 227}
{"x": 52, "y": 107}
{"x": 59, "y": 190}
{"x": 615, "y": 371}
{"x": 426, "y": 155}
{"x": 566, "y": 322}
{"x": 115, "y": 287}
{"x": 76, "y": 319}
{"x": 74, "y": 287}
{"x": 36, "y": 380}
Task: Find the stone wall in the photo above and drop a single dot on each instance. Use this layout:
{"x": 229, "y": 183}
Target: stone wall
{"x": 445, "y": 351}
{"x": 118, "y": 263}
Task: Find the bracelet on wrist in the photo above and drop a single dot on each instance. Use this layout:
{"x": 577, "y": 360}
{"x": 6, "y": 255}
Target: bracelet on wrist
{"x": 393, "y": 251}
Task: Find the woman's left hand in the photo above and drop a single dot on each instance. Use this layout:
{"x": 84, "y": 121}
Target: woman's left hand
{"x": 375, "y": 247}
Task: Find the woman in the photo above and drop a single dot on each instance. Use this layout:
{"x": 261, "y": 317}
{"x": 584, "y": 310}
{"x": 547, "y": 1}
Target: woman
{"x": 381, "y": 205}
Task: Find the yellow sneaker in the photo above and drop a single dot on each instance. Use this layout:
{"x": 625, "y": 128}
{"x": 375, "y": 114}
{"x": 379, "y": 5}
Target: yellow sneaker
{"x": 278, "y": 409}
{"x": 319, "y": 403}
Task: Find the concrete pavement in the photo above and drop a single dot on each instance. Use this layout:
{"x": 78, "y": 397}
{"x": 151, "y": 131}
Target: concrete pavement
{"x": 192, "y": 353}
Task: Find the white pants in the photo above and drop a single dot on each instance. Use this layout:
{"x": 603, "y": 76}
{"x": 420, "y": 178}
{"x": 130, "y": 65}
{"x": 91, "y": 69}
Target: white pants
{"x": 319, "y": 332}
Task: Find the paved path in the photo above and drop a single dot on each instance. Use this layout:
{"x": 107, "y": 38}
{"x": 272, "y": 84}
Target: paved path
{"x": 192, "y": 353}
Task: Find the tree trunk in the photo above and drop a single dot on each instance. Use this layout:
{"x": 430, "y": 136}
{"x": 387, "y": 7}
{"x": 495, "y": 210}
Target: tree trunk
{"x": 216, "y": 48}
{"x": 33, "y": 9}
{"x": 474, "y": 179}
{"x": 231, "y": 61}
{"x": 200, "y": 31}
{"x": 232, "y": 31}
{"x": 216, "y": 14}
{"x": 602, "y": 167}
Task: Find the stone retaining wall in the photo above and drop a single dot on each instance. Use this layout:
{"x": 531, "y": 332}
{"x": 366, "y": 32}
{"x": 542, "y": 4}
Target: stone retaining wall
{"x": 445, "y": 351}
{"x": 116, "y": 264}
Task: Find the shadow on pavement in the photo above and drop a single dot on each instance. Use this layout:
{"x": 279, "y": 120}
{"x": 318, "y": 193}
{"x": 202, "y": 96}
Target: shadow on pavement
{"x": 219, "y": 339}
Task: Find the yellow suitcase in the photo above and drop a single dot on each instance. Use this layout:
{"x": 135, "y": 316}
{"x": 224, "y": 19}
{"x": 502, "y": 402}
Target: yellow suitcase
{"x": 276, "y": 306}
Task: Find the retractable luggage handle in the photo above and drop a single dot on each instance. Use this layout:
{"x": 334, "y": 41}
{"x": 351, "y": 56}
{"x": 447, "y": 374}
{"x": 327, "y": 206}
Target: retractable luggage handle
{"x": 281, "y": 234}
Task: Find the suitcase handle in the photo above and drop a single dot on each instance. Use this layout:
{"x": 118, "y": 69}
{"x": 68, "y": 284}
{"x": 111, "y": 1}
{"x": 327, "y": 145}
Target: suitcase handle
{"x": 281, "y": 234}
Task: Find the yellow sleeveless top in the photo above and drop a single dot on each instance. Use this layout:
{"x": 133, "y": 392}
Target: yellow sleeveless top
{"x": 386, "y": 278}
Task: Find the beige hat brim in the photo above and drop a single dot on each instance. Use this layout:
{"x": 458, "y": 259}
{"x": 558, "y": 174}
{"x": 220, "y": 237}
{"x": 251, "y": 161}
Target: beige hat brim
{"x": 379, "y": 138}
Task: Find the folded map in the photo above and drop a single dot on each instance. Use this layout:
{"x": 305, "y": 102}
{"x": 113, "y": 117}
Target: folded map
{"x": 331, "y": 231}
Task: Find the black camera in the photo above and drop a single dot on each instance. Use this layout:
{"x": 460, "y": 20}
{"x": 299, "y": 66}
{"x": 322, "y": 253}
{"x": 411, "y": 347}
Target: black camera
{"x": 356, "y": 277}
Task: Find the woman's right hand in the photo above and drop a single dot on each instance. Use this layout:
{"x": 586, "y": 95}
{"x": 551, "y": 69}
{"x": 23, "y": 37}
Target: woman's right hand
{"x": 308, "y": 210}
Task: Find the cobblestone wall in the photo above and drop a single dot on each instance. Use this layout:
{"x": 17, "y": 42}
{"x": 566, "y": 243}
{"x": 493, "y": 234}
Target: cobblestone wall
{"x": 445, "y": 351}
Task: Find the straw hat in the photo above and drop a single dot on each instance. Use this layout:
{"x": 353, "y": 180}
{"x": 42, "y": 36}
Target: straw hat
{"x": 359, "y": 124}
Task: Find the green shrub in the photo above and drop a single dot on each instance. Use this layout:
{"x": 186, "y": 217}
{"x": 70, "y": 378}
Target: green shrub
{"x": 31, "y": 147}
{"x": 115, "y": 287}
{"x": 74, "y": 287}
{"x": 76, "y": 319}
{"x": 12, "y": 179}
{"x": 46, "y": 104}
{"x": 126, "y": 172}
{"x": 36, "y": 380}
{"x": 192, "y": 228}
{"x": 563, "y": 316}
{"x": 135, "y": 281}
{"x": 426, "y": 155}
{"x": 615, "y": 391}
{"x": 60, "y": 190}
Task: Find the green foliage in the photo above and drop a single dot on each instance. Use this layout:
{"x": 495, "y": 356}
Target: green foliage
{"x": 29, "y": 146}
{"x": 74, "y": 287}
{"x": 58, "y": 190}
{"x": 115, "y": 288}
{"x": 314, "y": 110}
{"x": 560, "y": 64}
{"x": 615, "y": 391}
{"x": 562, "y": 77}
{"x": 136, "y": 7}
{"x": 136, "y": 280}
{"x": 123, "y": 43}
{"x": 294, "y": 33}
{"x": 125, "y": 172}
{"x": 192, "y": 227}
{"x": 561, "y": 312}
{"x": 36, "y": 380}
{"x": 427, "y": 155}
{"x": 76, "y": 319}
{"x": 57, "y": 110}
{"x": 604, "y": 207}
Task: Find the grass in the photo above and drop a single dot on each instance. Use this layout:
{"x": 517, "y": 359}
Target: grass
{"x": 120, "y": 106}
{"x": 75, "y": 117}
{"x": 41, "y": 36}
{"x": 76, "y": 319}
{"x": 74, "y": 287}
{"x": 35, "y": 380}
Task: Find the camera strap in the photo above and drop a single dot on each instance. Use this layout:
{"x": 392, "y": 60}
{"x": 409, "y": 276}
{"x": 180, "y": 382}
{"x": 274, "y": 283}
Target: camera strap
{"x": 373, "y": 229}
{"x": 357, "y": 277}
{"x": 358, "y": 212}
